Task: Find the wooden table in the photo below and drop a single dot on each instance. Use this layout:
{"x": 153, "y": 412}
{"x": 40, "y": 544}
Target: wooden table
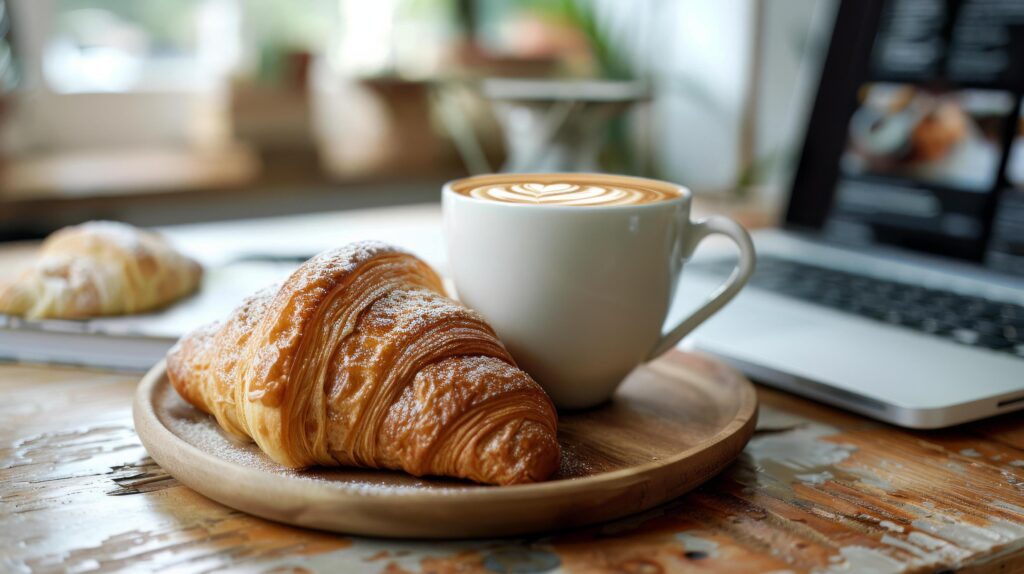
{"x": 816, "y": 490}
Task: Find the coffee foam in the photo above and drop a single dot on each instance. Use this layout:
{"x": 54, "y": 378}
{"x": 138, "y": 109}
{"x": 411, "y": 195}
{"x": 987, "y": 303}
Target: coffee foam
{"x": 569, "y": 191}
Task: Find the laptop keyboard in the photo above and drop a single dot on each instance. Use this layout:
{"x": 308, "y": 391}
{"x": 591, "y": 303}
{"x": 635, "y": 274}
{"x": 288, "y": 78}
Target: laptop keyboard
{"x": 965, "y": 319}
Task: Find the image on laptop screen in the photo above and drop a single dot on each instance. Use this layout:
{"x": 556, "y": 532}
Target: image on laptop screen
{"x": 932, "y": 158}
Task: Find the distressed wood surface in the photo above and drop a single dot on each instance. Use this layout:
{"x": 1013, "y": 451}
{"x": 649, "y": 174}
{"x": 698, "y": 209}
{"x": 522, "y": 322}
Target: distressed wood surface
{"x": 816, "y": 490}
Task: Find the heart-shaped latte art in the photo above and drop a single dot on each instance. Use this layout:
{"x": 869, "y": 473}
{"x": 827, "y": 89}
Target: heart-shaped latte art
{"x": 542, "y": 189}
{"x": 566, "y": 193}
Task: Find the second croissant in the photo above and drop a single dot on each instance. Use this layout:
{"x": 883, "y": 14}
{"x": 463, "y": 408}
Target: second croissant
{"x": 360, "y": 359}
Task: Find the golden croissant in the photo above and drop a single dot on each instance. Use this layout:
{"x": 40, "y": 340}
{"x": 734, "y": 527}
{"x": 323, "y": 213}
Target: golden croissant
{"x": 359, "y": 359}
{"x": 100, "y": 268}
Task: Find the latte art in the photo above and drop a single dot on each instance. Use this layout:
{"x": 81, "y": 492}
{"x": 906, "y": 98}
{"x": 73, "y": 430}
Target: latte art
{"x": 566, "y": 193}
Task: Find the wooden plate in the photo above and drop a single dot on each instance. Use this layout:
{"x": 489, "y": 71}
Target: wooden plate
{"x": 672, "y": 425}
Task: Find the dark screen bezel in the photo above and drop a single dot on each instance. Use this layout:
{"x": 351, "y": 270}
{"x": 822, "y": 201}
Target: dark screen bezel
{"x": 845, "y": 67}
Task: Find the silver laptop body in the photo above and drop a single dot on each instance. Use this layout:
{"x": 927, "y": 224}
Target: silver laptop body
{"x": 895, "y": 374}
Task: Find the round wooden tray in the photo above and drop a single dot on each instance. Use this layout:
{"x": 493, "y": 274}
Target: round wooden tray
{"x": 672, "y": 425}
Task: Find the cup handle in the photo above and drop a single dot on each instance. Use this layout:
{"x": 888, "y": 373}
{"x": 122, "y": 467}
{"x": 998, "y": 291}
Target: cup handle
{"x": 740, "y": 274}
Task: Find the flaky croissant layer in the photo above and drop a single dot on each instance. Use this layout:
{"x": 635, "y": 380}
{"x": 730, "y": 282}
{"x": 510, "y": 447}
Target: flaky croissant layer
{"x": 360, "y": 359}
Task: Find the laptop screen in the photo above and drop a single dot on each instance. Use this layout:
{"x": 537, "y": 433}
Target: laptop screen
{"x": 925, "y": 128}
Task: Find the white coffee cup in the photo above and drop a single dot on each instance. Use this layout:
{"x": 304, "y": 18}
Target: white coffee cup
{"x": 579, "y": 294}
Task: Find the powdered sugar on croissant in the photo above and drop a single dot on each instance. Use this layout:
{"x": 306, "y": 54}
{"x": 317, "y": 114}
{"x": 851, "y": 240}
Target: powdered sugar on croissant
{"x": 360, "y": 359}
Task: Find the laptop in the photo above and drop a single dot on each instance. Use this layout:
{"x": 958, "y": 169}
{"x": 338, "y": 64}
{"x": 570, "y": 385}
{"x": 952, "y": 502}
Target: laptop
{"x": 895, "y": 287}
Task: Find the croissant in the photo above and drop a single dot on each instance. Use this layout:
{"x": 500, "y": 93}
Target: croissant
{"x": 359, "y": 359}
{"x": 100, "y": 268}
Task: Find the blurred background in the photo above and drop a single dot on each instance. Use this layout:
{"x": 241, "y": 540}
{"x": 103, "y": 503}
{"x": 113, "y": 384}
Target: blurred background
{"x": 161, "y": 112}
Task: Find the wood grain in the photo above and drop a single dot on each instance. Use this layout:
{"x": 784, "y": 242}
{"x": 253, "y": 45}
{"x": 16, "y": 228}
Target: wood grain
{"x": 816, "y": 490}
{"x": 665, "y": 431}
